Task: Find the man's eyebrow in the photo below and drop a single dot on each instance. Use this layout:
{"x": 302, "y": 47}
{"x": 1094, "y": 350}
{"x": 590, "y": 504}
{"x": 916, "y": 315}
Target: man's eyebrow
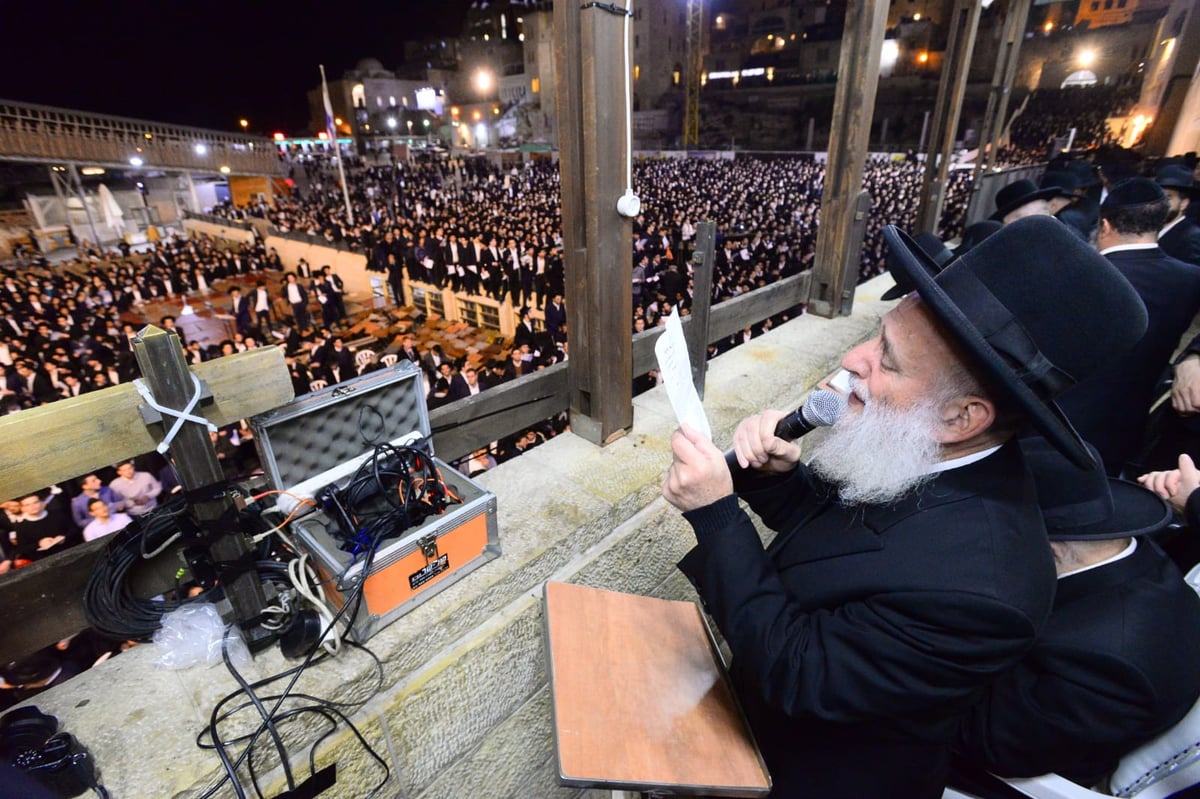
{"x": 886, "y": 355}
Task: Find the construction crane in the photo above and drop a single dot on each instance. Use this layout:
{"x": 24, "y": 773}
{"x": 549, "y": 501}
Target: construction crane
{"x": 695, "y": 64}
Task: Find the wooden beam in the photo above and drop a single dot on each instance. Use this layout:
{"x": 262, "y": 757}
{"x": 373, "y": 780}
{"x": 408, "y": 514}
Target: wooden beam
{"x": 597, "y": 241}
{"x": 835, "y": 268}
{"x": 702, "y": 274}
{"x": 71, "y": 437}
{"x": 964, "y": 21}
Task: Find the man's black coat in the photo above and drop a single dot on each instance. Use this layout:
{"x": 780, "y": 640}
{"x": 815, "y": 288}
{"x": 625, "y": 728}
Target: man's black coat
{"x": 862, "y": 635}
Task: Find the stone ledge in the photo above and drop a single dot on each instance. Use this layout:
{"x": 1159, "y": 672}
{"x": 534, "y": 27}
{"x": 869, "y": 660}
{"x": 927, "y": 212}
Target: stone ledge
{"x": 567, "y": 510}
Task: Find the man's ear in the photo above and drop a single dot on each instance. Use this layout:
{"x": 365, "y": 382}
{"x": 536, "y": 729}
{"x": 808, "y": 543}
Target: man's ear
{"x": 964, "y": 418}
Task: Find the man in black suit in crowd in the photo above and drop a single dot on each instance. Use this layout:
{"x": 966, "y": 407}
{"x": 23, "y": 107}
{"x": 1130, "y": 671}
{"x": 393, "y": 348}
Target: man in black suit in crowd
{"x": 911, "y": 566}
{"x": 1180, "y": 236}
{"x": 240, "y": 307}
{"x": 1115, "y": 664}
{"x": 1110, "y": 409}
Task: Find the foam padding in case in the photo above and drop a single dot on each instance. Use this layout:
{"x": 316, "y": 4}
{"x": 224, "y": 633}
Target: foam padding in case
{"x": 318, "y": 431}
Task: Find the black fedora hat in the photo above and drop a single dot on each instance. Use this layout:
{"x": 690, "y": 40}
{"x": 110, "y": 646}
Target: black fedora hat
{"x": 974, "y": 234}
{"x": 1018, "y": 193}
{"x": 1086, "y": 504}
{"x": 937, "y": 252}
{"x": 1067, "y": 185}
{"x": 1178, "y": 178}
{"x": 1036, "y": 307}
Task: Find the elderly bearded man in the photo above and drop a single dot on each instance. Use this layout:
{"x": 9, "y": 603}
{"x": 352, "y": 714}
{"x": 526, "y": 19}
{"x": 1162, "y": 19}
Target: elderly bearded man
{"x": 911, "y": 564}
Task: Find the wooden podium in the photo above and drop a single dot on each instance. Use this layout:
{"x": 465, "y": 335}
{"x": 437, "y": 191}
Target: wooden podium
{"x": 641, "y": 699}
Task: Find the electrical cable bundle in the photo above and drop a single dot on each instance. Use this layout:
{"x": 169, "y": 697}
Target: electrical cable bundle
{"x": 329, "y": 710}
{"x": 394, "y": 490}
{"x": 109, "y": 603}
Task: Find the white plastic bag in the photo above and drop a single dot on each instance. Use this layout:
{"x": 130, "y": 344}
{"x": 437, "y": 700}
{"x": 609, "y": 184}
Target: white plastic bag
{"x": 192, "y": 635}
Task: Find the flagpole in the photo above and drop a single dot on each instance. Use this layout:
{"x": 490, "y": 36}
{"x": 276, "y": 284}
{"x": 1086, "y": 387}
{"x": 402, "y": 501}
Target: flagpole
{"x": 331, "y": 131}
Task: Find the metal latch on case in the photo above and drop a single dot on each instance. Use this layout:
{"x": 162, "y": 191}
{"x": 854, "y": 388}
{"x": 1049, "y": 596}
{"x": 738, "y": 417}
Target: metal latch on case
{"x": 429, "y": 547}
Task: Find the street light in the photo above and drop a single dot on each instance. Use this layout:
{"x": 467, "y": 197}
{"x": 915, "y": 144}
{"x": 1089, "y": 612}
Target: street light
{"x": 1086, "y": 58}
{"x": 245, "y": 123}
{"x": 136, "y": 160}
{"x": 201, "y": 148}
{"x": 483, "y": 81}
{"x": 391, "y": 123}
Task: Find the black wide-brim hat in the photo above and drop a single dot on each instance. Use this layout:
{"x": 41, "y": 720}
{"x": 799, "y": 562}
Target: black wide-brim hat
{"x": 932, "y": 246}
{"x": 1037, "y": 308}
{"x": 1019, "y": 193}
{"x": 1178, "y": 178}
{"x": 1086, "y": 504}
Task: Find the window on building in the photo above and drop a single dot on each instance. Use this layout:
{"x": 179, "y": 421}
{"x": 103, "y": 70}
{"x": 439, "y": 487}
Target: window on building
{"x": 391, "y": 100}
{"x": 1120, "y": 3}
{"x": 637, "y": 71}
{"x": 379, "y": 102}
{"x": 535, "y": 85}
{"x": 637, "y": 42}
{"x": 1096, "y": 5}
{"x": 1108, "y": 4}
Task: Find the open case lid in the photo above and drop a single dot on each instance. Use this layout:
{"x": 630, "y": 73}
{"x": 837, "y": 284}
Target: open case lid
{"x": 319, "y": 431}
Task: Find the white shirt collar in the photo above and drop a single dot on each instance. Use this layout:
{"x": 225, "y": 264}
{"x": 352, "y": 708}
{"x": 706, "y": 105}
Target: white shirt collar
{"x": 1170, "y": 225}
{"x": 1124, "y": 553}
{"x": 965, "y": 460}
{"x": 1129, "y": 247}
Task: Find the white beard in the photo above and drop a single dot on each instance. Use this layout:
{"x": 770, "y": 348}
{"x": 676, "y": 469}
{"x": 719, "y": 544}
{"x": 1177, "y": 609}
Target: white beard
{"x": 880, "y": 454}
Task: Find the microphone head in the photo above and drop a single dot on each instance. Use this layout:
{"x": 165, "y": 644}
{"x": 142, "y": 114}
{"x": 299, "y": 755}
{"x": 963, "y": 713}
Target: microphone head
{"x": 823, "y": 407}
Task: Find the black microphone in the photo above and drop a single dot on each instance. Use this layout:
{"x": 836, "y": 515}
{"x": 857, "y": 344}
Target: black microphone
{"x": 821, "y": 409}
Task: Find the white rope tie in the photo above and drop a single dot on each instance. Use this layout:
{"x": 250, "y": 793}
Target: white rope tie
{"x": 182, "y": 416}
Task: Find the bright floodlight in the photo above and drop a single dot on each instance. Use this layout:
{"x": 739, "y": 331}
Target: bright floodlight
{"x": 891, "y": 54}
{"x": 136, "y": 161}
{"x": 1086, "y": 58}
{"x": 200, "y": 148}
{"x": 483, "y": 81}
{"x": 391, "y": 123}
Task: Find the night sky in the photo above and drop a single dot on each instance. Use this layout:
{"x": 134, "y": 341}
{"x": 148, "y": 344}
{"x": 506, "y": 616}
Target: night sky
{"x": 202, "y": 63}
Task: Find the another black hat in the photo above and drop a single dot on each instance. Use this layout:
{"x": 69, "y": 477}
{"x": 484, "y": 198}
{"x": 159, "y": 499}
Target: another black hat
{"x": 937, "y": 252}
{"x": 1086, "y": 504}
{"x": 1066, "y": 183}
{"x": 1018, "y": 193}
{"x": 1133, "y": 193}
{"x": 1178, "y": 178}
{"x": 1034, "y": 305}
{"x": 974, "y": 234}
{"x": 1085, "y": 173}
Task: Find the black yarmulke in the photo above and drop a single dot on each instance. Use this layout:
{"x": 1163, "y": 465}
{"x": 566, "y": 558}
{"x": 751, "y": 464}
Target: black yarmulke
{"x": 1133, "y": 192}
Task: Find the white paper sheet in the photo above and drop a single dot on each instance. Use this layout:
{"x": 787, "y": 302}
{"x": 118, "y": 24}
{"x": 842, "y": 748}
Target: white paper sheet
{"x": 676, "y": 370}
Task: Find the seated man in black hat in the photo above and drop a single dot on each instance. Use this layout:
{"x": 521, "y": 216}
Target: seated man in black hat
{"x": 1115, "y": 665}
{"x": 1110, "y": 409}
{"x": 1180, "y": 236}
{"x": 1022, "y": 198}
{"x": 911, "y": 565}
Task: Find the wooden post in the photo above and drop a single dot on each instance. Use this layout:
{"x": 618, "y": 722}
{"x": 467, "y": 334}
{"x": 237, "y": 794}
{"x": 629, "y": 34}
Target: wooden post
{"x": 838, "y": 253}
{"x": 597, "y": 246}
{"x": 953, "y": 85}
{"x": 162, "y": 362}
{"x": 1002, "y": 83}
{"x": 696, "y": 331}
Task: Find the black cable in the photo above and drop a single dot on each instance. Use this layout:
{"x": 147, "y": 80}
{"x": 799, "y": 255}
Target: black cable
{"x": 279, "y": 747}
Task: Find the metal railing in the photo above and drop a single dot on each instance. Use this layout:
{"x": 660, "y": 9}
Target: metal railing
{"x": 38, "y": 133}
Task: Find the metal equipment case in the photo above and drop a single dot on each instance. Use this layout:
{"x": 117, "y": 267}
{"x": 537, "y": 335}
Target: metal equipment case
{"x": 323, "y": 430}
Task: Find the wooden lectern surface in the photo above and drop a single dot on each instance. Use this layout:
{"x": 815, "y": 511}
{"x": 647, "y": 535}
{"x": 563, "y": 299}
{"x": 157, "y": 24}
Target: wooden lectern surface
{"x": 641, "y": 700}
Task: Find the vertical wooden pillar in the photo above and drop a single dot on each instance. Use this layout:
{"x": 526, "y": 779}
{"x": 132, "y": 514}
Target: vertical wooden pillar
{"x": 991, "y": 133}
{"x": 964, "y": 21}
{"x": 597, "y": 241}
{"x": 836, "y": 264}
{"x": 696, "y": 331}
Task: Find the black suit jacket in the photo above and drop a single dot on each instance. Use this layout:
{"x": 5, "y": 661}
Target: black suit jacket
{"x": 1110, "y": 408}
{"x": 861, "y": 636}
{"x": 1182, "y": 242}
{"x": 1114, "y": 667}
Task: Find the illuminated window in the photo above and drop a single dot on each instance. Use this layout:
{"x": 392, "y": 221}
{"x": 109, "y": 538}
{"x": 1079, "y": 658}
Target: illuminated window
{"x": 720, "y": 22}
{"x": 358, "y": 95}
{"x": 535, "y": 85}
{"x": 637, "y": 71}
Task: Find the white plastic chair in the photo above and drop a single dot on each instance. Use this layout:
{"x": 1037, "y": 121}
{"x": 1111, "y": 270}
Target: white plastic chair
{"x": 317, "y": 385}
{"x": 389, "y": 359}
{"x": 1155, "y": 770}
{"x": 364, "y": 357}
